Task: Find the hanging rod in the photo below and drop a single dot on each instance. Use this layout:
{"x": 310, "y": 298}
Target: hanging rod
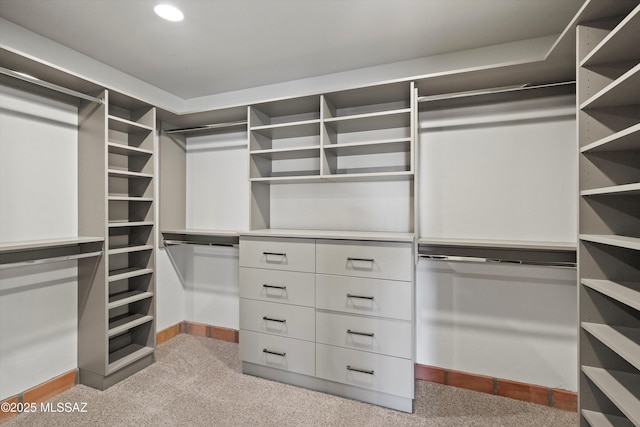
{"x": 48, "y": 85}
{"x": 49, "y": 260}
{"x": 195, "y": 242}
{"x": 207, "y": 127}
{"x": 455, "y": 258}
{"x": 493, "y": 91}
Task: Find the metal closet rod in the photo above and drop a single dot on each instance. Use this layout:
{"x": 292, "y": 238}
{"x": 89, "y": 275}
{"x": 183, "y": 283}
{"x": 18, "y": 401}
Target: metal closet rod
{"x": 456, "y": 258}
{"x": 433, "y": 98}
{"x": 207, "y": 127}
{"x": 52, "y": 86}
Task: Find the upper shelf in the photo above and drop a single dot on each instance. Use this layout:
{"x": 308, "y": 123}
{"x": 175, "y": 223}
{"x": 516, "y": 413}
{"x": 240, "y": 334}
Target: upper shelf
{"x": 621, "y": 44}
{"x": 333, "y": 234}
{"x": 626, "y": 139}
{"x": 49, "y": 250}
{"x": 622, "y": 91}
{"x": 124, "y": 125}
{"x": 371, "y": 121}
{"x": 200, "y": 237}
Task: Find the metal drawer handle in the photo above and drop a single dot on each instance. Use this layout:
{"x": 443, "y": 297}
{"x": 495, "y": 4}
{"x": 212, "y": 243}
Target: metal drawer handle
{"x": 284, "y": 288}
{"x": 283, "y": 354}
{"x": 359, "y": 296}
{"x": 371, "y": 260}
{"x": 364, "y": 334}
{"x": 282, "y": 254}
{"x": 270, "y": 319}
{"x": 364, "y": 371}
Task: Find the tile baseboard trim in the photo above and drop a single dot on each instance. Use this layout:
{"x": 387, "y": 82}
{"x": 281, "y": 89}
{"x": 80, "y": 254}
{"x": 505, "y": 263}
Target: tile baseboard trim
{"x": 40, "y": 393}
{"x": 198, "y": 329}
{"x": 553, "y": 397}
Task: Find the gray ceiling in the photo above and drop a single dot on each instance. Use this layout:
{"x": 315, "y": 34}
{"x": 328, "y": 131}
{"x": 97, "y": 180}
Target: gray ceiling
{"x": 226, "y": 45}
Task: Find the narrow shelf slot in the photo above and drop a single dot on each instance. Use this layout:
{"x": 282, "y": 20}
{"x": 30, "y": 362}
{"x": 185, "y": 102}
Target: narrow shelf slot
{"x": 288, "y": 153}
{"x": 371, "y": 121}
{"x": 620, "y": 44}
{"x": 613, "y": 240}
{"x": 127, "y": 355}
{"x": 624, "y": 292}
{"x": 130, "y": 199}
{"x": 120, "y": 324}
{"x": 622, "y": 388}
{"x": 128, "y": 249}
{"x": 127, "y": 150}
{"x": 396, "y": 145}
{"x": 289, "y": 130}
{"x": 127, "y": 174}
{"x": 130, "y": 224}
{"x": 129, "y": 272}
{"x": 597, "y": 419}
{"x": 623, "y": 341}
{"x": 622, "y": 91}
{"x": 124, "y": 298}
{"x": 624, "y": 140}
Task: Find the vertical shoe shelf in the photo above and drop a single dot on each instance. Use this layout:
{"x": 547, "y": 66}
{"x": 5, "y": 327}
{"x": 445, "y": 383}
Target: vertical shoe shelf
{"x": 116, "y": 199}
{"x": 609, "y": 219}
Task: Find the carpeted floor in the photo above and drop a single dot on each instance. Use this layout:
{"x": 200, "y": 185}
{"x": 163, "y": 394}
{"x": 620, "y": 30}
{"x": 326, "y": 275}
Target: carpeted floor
{"x": 198, "y": 382}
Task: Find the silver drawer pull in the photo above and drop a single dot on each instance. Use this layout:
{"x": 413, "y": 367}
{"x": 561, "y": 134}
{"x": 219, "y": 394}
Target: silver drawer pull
{"x": 277, "y": 353}
{"x": 271, "y": 319}
{"x": 284, "y": 288}
{"x": 371, "y": 260}
{"x": 364, "y": 371}
{"x": 364, "y": 334}
{"x": 359, "y": 296}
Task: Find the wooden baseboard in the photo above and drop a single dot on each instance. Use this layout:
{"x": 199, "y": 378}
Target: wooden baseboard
{"x": 8, "y": 406}
{"x": 556, "y": 398}
{"x": 198, "y": 329}
{"x": 40, "y": 393}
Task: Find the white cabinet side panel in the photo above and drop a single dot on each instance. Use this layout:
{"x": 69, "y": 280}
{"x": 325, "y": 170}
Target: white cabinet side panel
{"x": 504, "y": 321}
{"x": 217, "y": 182}
{"x": 38, "y": 167}
{"x": 38, "y": 325}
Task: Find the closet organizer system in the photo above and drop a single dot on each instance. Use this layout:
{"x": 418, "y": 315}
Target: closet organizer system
{"x": 334, "y": 309}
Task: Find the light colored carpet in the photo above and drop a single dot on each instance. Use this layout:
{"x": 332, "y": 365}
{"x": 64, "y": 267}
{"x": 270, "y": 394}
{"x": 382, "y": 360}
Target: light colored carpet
{"x": 198, "y": 382}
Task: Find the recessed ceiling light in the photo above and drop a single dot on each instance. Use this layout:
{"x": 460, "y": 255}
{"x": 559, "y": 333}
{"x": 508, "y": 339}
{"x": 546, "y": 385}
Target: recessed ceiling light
{"x": 168, "y": 12}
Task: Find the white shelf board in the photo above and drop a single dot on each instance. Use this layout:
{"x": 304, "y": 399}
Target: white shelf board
{"x": 127, "y": 150}
{"x": 123, "y": 298}
{"x": 129, "y": 199}
{"x": 333, "y": 234}
{"x": 29, "y": 245}
{"x": 128, "y": 174}
{"x": 625, "y": 90}
{"x": 624, "y": 292}
{"x": 116, "y": 224}
{"x": 124, "y": 125}
{"x": 621, "y": 44}
{"x": 500, "y": 244}
{"x": 125, "y": 322}
{"x": 289, "y": 130}
{"x": 626, "y": 139}
{"x": 598, "y": 419}
{"x": 622, "y": 388}
{"x": 126, "y": 356}
{"x": 201, "y": 232}
{"x": 623, "y": 341}
{"x": 371, "y": 121}
{"x": 613, "y": 240}
{"x": 622, "y": 190}
{"x": 129, "y": 249}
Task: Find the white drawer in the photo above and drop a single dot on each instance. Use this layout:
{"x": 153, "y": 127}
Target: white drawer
{"x": 384, "y": 336}
{"x": 278, "y": 352}
{"x": 382, "y": 260}
{"x": 278, "y": 253}
{"x": 387, "y": 374}
{"x": 292, "y": 321}
{"x": 287, "y": 287}
{"x": 385, "y": 298}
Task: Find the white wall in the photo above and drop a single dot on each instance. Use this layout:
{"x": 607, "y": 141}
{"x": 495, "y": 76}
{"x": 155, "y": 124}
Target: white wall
{"x": 38, "y": 200}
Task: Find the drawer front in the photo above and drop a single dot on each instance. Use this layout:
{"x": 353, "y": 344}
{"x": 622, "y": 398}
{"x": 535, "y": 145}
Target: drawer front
{"x": 278, "y": 253}
{"x": 286, "y": 287}
{"x": 388, "y": 260}
{"x": 279, "y": 319}
{"x": 384, "y": 336}
{"x": 387, "y": 374}
{"x": 278, "y": 352}
{"x": 385, "y": 298}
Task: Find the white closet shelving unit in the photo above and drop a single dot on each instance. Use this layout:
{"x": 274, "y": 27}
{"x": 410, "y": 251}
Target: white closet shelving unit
{"x": 116, "y": 201}
{"x": 609, "y": 226}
